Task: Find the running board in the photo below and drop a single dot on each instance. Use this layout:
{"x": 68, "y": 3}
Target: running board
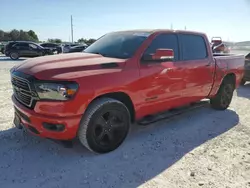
{"x": 172, "y": 113}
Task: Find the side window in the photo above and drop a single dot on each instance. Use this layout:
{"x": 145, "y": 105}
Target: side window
{"x": 33, "y": 46}
{"x": 193, "y": 47}
{"x": 167, "y": 41}
{"x": 21, "y": 45}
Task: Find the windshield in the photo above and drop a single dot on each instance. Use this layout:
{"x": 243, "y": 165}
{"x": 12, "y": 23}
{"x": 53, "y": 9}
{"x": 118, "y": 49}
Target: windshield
{"x": 118, "y": 45}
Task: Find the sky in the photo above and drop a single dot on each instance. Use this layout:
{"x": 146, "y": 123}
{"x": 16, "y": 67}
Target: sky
{"x": 229, "y": 19}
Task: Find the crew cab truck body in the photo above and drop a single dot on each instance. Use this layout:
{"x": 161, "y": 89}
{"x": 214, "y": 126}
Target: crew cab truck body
{"x": 121, "y": 78}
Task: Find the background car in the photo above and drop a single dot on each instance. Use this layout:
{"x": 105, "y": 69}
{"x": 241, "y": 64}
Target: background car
{"x": 17, "y": 49}
{"x": 54, "y": 47}
{"x": 218, "y": 46}
{"x": 79, "y": 48}
{"x": 66, "y": 47}
{"x": 2, "y": 48}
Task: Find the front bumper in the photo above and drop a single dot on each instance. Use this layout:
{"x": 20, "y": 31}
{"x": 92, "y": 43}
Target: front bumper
{"x": 34, "y": 123}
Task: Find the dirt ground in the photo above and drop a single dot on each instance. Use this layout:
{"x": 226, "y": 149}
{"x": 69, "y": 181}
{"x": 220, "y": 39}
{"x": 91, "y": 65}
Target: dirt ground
{"x": 203, "y": 148}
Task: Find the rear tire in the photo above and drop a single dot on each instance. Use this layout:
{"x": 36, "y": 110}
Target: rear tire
{"x": 104, "y": 125}
{"x": 223, "y": 98}
{"x": 14, "y": 55}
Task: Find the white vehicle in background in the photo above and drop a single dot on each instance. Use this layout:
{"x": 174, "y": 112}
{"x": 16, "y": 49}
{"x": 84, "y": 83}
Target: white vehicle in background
{"x": 66, "y": 47}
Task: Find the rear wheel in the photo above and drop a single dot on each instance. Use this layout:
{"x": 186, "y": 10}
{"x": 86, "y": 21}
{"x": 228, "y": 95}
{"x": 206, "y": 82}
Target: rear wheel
{"x": 223, "y": 98}
{"x": 14, "y": 55}
{"x": 104, "y": 126}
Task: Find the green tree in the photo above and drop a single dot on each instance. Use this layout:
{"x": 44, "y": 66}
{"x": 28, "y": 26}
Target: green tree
{"x": 14, "y": 34}
{"x": 33, "y": 35}
{"x": 18, "y": 35}
{"x": 91, "y": 41}
{"x": 86, "y": 41}
{"x": 24, "y": 36}
{"x": 55, "y": 40}
{"x": 1, "y": 35}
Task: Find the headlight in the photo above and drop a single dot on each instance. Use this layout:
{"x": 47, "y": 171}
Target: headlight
{"x": 56, "y": 91}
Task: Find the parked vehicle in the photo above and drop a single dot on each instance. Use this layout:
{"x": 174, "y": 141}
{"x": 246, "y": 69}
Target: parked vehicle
{"x": 79, "y": 48}
{"x": 121, "y": 78}
{"x": 55, "y": 48}
{"x": 246, "y": 76}
{"x": 2, "y": 48}
{"x": 66, "y": 47}
{"x": 218, "y": 46}
{"x": 17, "y": 49}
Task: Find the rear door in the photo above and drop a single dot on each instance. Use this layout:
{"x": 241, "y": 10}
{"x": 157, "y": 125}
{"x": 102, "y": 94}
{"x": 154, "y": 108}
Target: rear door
{"x": 161, "y": 82}
{"x": 198, "y": 66}
{"x": 22, "y": 48}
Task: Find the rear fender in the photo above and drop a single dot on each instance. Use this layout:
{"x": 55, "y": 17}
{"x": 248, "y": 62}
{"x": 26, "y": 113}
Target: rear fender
{"x": 217, "y": 84}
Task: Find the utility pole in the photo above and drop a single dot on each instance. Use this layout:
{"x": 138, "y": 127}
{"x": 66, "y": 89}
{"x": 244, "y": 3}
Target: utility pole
{"x": 72, "y": 35}
{"x": 185, "y": 28}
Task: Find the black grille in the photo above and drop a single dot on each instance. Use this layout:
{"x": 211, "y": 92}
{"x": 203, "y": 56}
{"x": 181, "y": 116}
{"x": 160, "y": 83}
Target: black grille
{"x": 22, "y": 90}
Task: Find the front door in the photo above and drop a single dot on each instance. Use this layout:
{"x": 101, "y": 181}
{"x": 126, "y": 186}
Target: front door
{"x": 33, "y": 50}
{"x": 161, "y": 83}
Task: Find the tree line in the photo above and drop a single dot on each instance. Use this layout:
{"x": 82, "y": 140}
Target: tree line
{"x": 21, "y": 35}
{"x": 15, "y": 35}
{"x": 81, "y": 40}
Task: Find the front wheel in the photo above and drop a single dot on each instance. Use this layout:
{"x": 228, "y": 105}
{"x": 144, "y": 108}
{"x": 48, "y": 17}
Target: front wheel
{"x": 104, "y": 126}
{"x": 14, "y": 55}
{"x": 223, "y": 98}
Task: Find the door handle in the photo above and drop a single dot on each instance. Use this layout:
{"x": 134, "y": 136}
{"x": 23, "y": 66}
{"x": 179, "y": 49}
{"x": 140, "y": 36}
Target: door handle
{"x": 207, "y": 65}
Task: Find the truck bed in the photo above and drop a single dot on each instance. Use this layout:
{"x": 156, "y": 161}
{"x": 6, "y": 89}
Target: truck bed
{"x": 228, "y": 64}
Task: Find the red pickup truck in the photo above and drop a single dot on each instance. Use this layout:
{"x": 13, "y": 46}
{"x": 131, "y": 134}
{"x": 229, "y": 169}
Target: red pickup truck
{"x": 123, "y": 77}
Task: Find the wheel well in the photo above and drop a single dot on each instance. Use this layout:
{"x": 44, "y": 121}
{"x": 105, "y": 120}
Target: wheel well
{"x": 230, "y": 77}
{"x": 124, "y": 98}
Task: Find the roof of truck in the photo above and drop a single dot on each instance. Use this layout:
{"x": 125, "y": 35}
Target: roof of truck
{"x": 151, "y": 31}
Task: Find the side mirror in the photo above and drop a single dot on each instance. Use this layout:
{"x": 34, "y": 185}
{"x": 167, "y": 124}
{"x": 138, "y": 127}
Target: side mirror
{"x": 164, "y": 55}
{"x": 160, "y": 55}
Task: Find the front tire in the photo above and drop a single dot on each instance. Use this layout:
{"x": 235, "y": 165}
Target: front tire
{"x": 223, "y": 98}
{"x": 104, "y": 126}
{"x": 14, "y": 55}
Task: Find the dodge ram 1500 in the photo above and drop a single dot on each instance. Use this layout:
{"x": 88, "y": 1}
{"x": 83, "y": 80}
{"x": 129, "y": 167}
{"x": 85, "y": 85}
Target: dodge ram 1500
{"x": 123, "y": 77}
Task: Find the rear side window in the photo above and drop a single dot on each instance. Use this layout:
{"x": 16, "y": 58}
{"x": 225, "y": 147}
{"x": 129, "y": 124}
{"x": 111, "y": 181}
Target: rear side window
{"x": 167, "y": 41}
{"x": 33, "y": 46}
{"x": 193, "y": 47}
{"x": 21, "y": 45}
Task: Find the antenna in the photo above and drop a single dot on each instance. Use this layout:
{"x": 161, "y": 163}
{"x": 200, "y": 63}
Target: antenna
{"x": 72, "y": 36}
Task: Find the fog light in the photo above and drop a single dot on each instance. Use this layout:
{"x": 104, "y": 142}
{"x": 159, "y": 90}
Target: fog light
{"x": 53, "y": 127}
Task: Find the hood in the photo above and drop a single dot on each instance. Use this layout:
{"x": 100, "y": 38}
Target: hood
{"x": 69, "y": 66}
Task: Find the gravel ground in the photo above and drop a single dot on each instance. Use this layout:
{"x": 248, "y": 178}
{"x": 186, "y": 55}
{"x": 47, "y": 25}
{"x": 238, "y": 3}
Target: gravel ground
{"x": 203, "y": 148}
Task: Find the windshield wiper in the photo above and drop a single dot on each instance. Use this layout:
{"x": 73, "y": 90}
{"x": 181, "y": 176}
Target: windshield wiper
{"x": 94, "y": 53}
